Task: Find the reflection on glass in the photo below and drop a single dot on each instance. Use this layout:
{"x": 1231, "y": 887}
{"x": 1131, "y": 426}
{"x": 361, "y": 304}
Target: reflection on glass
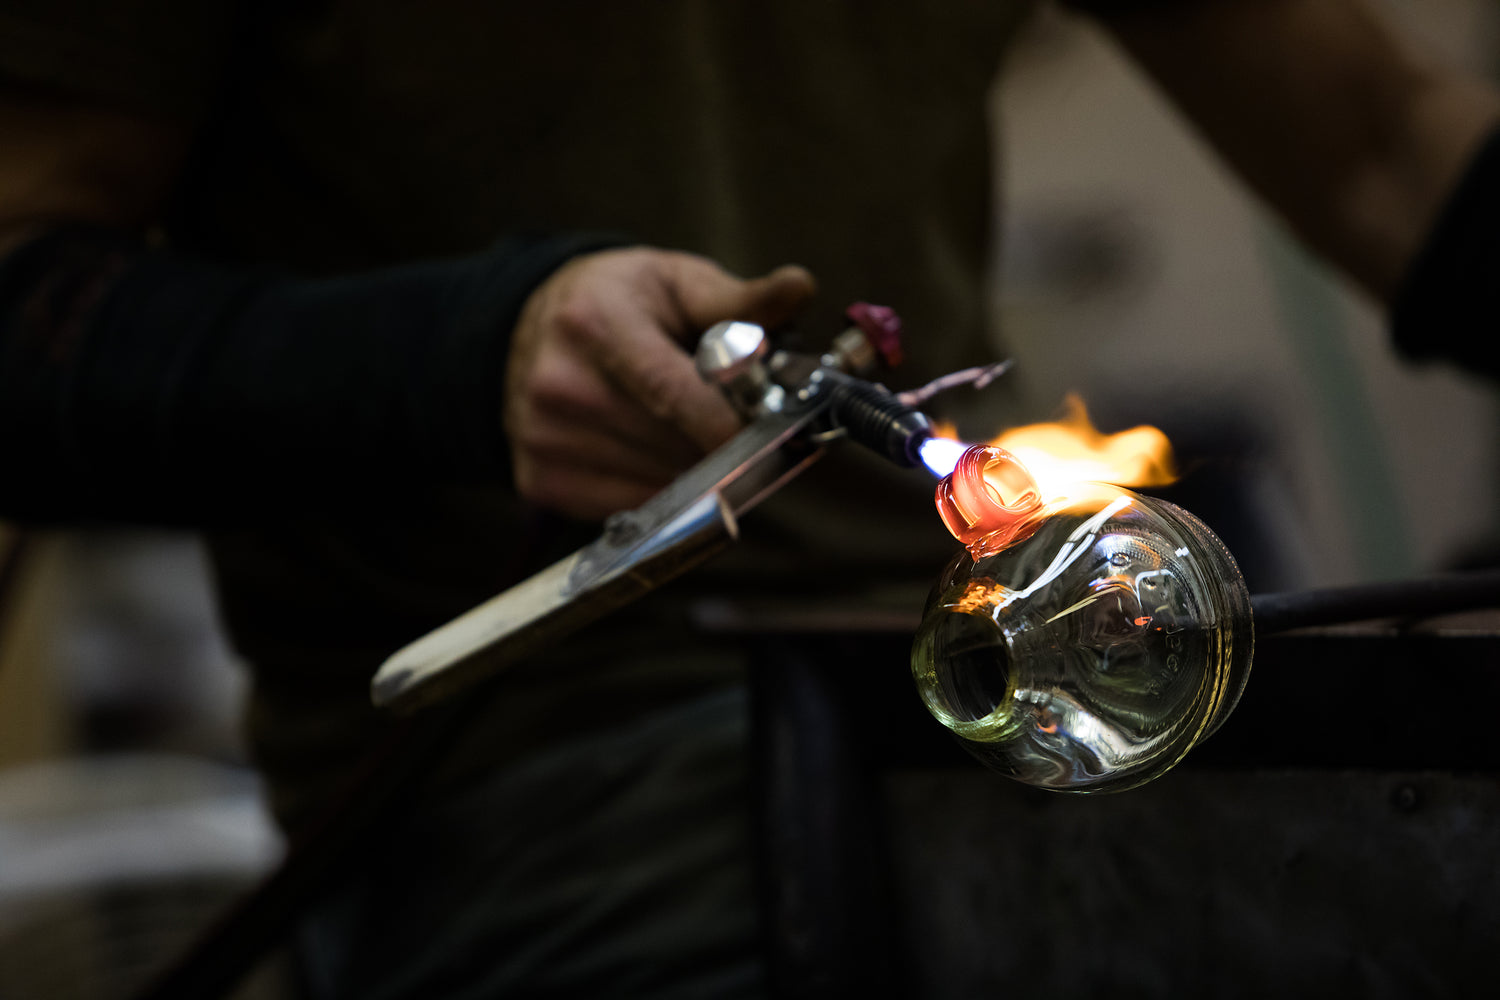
{"x": 1093, "y": 650}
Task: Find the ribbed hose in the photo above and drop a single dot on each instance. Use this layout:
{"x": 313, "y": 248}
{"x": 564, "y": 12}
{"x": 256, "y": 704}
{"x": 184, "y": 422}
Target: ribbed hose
{"x": 875, "y": 418}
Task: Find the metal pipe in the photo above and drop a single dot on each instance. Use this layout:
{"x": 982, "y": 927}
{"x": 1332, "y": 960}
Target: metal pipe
{"x": 1416, "y": 598}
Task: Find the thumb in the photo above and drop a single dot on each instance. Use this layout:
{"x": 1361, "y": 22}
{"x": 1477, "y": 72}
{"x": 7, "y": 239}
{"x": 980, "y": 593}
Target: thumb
{"x": 775, "y": 298}
{"x": 770, "y": 300}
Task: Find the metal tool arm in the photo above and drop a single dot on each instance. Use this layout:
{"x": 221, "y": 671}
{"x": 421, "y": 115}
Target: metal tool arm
{"x": 796, "y": 405}
{"x": 681, "y": 527}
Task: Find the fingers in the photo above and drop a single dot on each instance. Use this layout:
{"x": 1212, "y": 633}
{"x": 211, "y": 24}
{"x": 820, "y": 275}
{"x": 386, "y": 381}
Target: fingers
{"x": 619, "y": 322}
{"x": 664, "y": 381}
{"x": 776, "y": 298}
{"x": 604, "y": 406}
{"x": 707, "y": 294}
{"x": 568, "y": 403}
{"x": 698, "y": 293}
{"x": 544, "y": 439}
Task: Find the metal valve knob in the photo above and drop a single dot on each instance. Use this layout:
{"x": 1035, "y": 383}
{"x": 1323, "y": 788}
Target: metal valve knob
{"x": 732, "y": 355}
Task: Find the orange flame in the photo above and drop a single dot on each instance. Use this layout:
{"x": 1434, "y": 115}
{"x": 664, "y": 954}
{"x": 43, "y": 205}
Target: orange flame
{"x": 987, "y": 502}
{"x": 1072, "y": 450}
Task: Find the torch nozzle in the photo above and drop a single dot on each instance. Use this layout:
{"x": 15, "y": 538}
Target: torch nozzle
{"x": 872, "y": 415}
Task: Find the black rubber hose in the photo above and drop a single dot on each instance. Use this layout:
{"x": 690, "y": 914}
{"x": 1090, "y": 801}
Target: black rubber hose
{"x": 1417, "y": 598}
{"x": 874, "y": 417}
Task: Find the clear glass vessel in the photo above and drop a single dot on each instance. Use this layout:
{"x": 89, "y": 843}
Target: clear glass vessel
{"x": 1091, "y": 647}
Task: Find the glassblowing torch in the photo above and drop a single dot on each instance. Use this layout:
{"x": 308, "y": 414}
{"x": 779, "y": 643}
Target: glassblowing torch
{"x": 795, "y": 404}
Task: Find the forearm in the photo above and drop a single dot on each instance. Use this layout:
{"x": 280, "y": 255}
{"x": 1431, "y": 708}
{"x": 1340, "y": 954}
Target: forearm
{"x": 139, "y": 384}
{"x": 1348, "y": 133}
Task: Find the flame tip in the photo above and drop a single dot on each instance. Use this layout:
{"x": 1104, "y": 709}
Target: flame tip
{"x": 1060, "y": 454}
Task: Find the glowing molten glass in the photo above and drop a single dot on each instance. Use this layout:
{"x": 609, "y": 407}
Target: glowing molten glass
{"x": 1059, "y": 454}
{"x": 988, "y": 499}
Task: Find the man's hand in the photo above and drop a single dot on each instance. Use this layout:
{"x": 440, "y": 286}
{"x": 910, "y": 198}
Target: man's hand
{"x": 603, "y": 403}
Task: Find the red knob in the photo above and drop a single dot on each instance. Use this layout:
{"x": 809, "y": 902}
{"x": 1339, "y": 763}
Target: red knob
{"x": 882, "y": 327}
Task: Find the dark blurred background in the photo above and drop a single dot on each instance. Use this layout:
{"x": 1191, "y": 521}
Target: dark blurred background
{"x": 1130, "y": 268}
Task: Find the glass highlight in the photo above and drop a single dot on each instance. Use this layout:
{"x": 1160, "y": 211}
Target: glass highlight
{"x": 1091, "y": 643}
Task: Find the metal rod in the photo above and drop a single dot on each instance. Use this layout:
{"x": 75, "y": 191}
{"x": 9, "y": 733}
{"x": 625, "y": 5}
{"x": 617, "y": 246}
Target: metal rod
{"x": 1418, "y": 598}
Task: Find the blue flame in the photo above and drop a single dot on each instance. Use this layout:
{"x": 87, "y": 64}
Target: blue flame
{"x": 940, "y": 455}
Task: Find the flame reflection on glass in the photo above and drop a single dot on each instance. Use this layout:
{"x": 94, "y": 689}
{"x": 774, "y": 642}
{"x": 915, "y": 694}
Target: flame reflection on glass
{"x": 1087, "y": 637}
